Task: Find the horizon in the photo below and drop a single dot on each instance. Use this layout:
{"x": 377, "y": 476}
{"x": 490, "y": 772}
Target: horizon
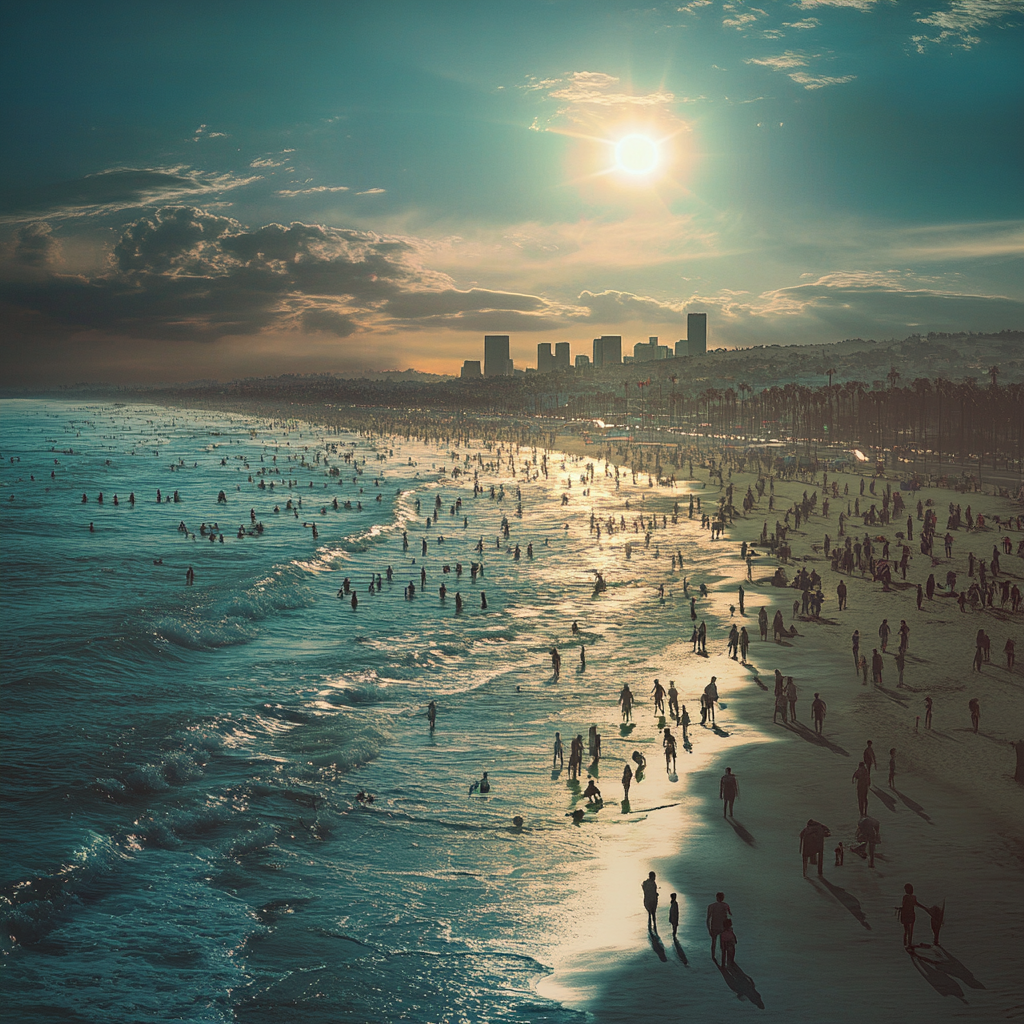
{"x": 325, "y": 189}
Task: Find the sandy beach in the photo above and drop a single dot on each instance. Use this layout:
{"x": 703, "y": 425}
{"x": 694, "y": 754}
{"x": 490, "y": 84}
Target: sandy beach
{"x": 952, "y": 825}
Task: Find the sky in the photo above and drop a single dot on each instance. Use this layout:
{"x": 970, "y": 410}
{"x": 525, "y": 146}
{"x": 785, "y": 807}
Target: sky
{"x": 220, "y": 190}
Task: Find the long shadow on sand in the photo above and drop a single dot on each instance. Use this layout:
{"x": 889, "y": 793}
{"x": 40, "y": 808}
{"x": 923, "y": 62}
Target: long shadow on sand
{"x": 657, "y": 945}
{"x": 914, "y": 806}
{"x": 741, "y": 984}
{"x": 847, "y": 899}
{"x": 818, "y": 740}
{"x": 895, "y": 697}
{"x": 885, "y": 798}
{"x": 942, "y": 961}
{"x": 742, "y": 832}
{"x": 941, "y": 970}
{"x": 680, "y": 953}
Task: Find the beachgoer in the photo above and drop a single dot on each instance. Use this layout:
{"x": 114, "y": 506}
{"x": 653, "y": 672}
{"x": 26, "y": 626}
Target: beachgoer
{"x": 592, "y": 793}
{"x": 627, "y": 779}
{"x": 812, "y": 844}
{"x": 431, "y": 714}
{"x": 818, "y": 711}
{"x": 718, "y": 913}
{"x": 728, "y": 790}
{"x": 673, "y": 915}
{"x": 869, "y": 833}
{"x": 650, "y": 888}
{"x": 907, "y": 914}
{"x": 728, "y": 937}
{"x": 558, "y": 754}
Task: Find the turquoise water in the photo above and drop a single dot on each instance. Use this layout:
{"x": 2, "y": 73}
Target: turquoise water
{"x": 182, "y": 838}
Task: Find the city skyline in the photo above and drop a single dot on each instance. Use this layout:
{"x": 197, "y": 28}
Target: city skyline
{"x": 327, "y": 188}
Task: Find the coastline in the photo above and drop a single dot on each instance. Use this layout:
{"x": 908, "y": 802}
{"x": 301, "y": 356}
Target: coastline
{"x": 800, "y": 947}
{"x": 952, "y": 826}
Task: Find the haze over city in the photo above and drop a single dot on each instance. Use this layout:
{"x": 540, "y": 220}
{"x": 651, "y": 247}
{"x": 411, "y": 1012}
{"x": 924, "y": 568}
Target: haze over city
{"x": 327, "y": 187}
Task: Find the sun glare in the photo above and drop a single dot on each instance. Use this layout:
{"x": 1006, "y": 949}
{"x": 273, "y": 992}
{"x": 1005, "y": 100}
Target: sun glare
{"x": 636, "y": 154}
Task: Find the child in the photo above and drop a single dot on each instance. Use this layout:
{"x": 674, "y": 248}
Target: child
{"x": 673, "y": 915}
{"x": 728, "y": 939}
{"x": 840, "y": 854}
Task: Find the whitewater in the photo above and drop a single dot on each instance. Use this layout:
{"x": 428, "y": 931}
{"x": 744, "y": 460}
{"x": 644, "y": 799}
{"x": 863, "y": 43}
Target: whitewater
{"x": 181, "y": 762}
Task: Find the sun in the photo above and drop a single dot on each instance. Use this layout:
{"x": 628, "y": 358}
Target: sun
{"x": 636, "y": 154}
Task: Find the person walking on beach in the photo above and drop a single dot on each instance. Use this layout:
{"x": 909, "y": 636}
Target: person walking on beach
{"x": 975, "y": 709}
{"x": 869, "y": 833}
{"x": 780, "y": 707}
{"x": 728, "y": 937}
{"x": 743, "y": 595}
{"x": 812, "y": 845}
{"x": 791, "y": 697}
{"x": 908, "y": 915}
{"x": 718, "y": 913}
{"x": 558, "y": 754}
{"x": 876, "y": 667}
{"x": 862, "y": 777}
{"x": 762, "y": 622}
{"x": 883, "y": 634}
{"x": 928, "y": 712}
{"x": 673, "y": 915}
{"x": 556, "y": 661}
{"x": 728, "y": 790}
{"x": 841, "y": 594}
{"x": 856, "y": 649}
{"x": 669, "y": 743}
{"x": 627, "y": 779}
{"x": 658, "y": 693}
{"x": 870, "y": 758}
{"x": 673, "y": 701}
{"x": 892, "y": 767}
{"x": 732, "y": 648}
{"x": 778, "y": 627}
{"x": 626, "y": 701}
{"x": 711, "y": 693}
{"x": 650, "y": 888}
{"x": 818, "y": 711}
{"x": 744, "y": 644}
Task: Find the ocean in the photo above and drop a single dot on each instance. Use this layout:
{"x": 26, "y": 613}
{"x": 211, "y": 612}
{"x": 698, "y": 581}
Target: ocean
{"x": 181, "y": 763}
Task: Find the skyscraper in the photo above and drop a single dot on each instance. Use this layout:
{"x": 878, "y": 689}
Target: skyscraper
{"x": 697, "y": 333}
{"x": 562, "y": 355}
{"x": 545, "y": 360}
{"x": 496, "y": 360}
{"x": 608, "y": 350}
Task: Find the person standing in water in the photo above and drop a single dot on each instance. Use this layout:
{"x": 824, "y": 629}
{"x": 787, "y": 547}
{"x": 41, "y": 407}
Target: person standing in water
{"x": 558, "y": 755}
{"x": 627, "y": 779}
{"x": 728, "y": 790}
{"x": 431, "y": 715}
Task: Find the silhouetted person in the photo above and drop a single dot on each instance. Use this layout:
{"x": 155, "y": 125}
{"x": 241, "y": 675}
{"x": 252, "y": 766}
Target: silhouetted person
{"x": 869, "y": 833}
{"x": 862, "y": 777}
{"x": 908, "y": 916}
{"x": 718, "y": 913}
{"x": 812, "y": 845}
{"x": 627, "y": 779}
{"x": 559, "y": 754}
{"x": 673, "y": 915}
{"x": 728, "y": 938}
{"x": 728, "y": 790}
{"x": 818, "y": 711}
{"x": 975, "y": 708}
{"x": 431, "y": 715}
{"x": 592, "y": 793}
{"x": 650, "y": 888}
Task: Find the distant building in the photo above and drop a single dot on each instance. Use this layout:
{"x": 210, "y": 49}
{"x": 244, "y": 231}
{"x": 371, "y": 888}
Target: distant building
{"x": 646, "y": 351}
{"x": 562, "y": 355}
{"x": 496, "y": 359}
{"x": 682, "y": 348}
{"x": 582, "y": 362}
{"x": 697, "y": 333}
{"x": 545, "y": 360}
{"x": 608, "y": 350}
{"x": 664, "y": 352}
{"x": 470, "y": 368}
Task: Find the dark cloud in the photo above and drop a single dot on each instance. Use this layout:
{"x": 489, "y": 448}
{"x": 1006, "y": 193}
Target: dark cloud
{"x": 614, "y": 307}
{"x": 184, "y": 272}
{"x": 119, "y": 188}
{"x": 35, "y": 246}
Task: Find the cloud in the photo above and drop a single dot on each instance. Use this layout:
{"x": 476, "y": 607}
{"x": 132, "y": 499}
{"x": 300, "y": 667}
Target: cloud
{"x": 791, "y": 59}
{"x": 115, "y": 190}
{"x": 805, "y": 23}
{"x": 857, "y": 5}
{"x": 189, "y": 274}
{"x": 693, "y": 6}
{"x": 959, "y": 22}
{"x": 595, "y": 88}
{"x": 35, "y": 246}
{"x": 314, "y": 189}
{"x": 267, "y": 162}
{"x": 372, "y": 192}
{"x": 741, "y": 18}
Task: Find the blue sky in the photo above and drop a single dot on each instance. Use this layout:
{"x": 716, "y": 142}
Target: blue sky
{"x": 218, "y": 190}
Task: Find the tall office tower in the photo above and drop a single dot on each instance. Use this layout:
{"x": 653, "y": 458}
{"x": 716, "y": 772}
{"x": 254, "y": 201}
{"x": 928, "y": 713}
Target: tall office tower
{"x": 598, "y": 359}
{"x": 562, "y": 355}
{"x": 697, "y": 333}
{"x": 611, "y": 349}
{"x": 496, "y": 360}
{"x": 545, "y": 360}
{"x": 470, "y": 368}
{"x": 582, "y": 362}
